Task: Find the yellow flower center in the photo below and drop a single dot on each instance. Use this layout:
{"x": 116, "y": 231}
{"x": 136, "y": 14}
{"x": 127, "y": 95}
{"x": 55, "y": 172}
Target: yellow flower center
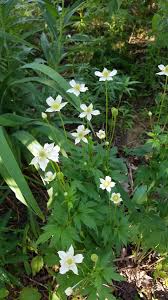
{"x": 106, "y": 73}
{"x": 115, "y": 198}
{"x": 106, "y": 184}
{"x": 81, "y": 135}
{"x": 77, "y": 87}
{"x": 55, "y": 105}
{"x": 42, "y": 154}
{"x": 70, "y": 261}
{"x": 89, "y": 110}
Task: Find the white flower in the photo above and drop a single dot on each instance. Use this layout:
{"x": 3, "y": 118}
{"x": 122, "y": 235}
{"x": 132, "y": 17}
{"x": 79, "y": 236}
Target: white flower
{"x": 69, "y": 291}
{"x": 55, "y": 105}
{"x": 164, "y": 70}
{"x": 69, "y": 260}
{"x": 116, "y": 198}
{"x": 80, "y": 133}
{"x": 106, "y": 74}
{"x": 88, "y": 111}
{"x": 49, "y": 176}
{"x": 77, "y": 88}
{"x": 59, "y": 8}
{"x": 101, "y": 134}
{"x": 44, "y": 154}
{"x": 106, "y": 184}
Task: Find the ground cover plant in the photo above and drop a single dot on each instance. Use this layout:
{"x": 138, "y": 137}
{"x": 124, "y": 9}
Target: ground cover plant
{"x": 83, "y": 152}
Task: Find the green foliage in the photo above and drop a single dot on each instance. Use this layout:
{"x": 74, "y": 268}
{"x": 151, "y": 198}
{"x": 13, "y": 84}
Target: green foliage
{"x": 29, "y": 293}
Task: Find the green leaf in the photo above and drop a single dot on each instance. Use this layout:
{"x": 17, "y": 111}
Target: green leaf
{"x": 29, "y": 293}
{"x": 61, "y": 84}
{"x": 3, "y": 293}
{"x": 11, "y": 120}
{"x": 10, "y": 171}
{"x": 140, "y": 195}
{"x": 37, "y": 264}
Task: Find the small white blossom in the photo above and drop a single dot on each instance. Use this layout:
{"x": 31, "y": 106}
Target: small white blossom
{"x": 88, "y": 111}
{"x": 44, "y": 154}
{"x": 77, "y": 88}
{"x": 55, "y": 105}
{"x": 69, "y": 260}
{"x": 116, "y": 198}
{"x": 69, "y": 291}
{"x": 49, "y": 176}
{"x": 106, "y": 74}
{"x": 164, "y": 70}
{"x": 106, "y": 184}
{"x": 101, "y": 134}
{"x": 80, "y": 134}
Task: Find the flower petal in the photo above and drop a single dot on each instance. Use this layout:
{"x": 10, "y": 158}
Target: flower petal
{"x": 62, "y": 254}
{"x": 161, "y": 67}
{"x": 96, "y": 112}
{"x": 89, "y": 116}
{"x": 82, "y": 115}
{"x": 58, "y": 99}
{"x": 70, "y": 251}
{"x": 113, "y": 73}
{"x": 43, "y": 163}
{"x": 72, "y": 82}
{"x": 83, "y": 107}
{"x": 50, "y": 100}
{"x": 74, "y": 269}
{"x": 85, "y": 140}
{"x": 78, "y": 258}
{"x": 50, "y": 109}
{"x": 99, "y": 74}
{"x": 63, "y": 269}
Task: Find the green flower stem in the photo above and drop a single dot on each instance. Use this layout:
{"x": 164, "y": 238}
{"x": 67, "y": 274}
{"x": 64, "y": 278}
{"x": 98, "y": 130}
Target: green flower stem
{"x": 113, "y": 126}
{"x": 62, "y": 122}
{"x": 106, "y": 93}
{"x": 163, "y": 98}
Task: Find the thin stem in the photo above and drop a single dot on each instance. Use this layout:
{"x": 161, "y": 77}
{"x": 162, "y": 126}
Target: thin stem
{"x": 113, "y": 130}
{"x": 106, "y": 93}
{"x": 163, "y": 98}
{"x": 62, "y": 122}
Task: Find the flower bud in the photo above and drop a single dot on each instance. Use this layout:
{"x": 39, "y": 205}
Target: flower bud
{"x": 114, "y": 112}
{"x": 94, "y": 257}
{"x": 65, "y": 194}
{"x": 106, "y": 143}
{"x": 150, "y": 114}
{"x": 44, "y": 115}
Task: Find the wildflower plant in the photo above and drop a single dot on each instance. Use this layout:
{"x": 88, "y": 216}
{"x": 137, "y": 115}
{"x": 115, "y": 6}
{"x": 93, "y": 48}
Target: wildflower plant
{"x": 83, "y": 177}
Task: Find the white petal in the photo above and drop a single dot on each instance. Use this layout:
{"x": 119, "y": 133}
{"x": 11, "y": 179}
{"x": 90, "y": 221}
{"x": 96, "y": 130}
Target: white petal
{"x": 89, "y": 116}
{"x": 108, "y": 189}
{"x": 50, "y": 109}
{"x": 83, "y": 107}
{"x": 58, "y": 99}
{"x": 113, "y": 73}
{"x": 48, "y": 147}
{"x": 63, "y": 104}
{"x": 99, "y": 74}
{"x": 102, "y": 186}
{"x": 82, "y": 115}
{"x": 43, "y": 163}
{"x": 77, "y": 141}
{"x": 85, "y": 140}
{"x": 109, "y": 78}
{"x": 108, "y": 178}
{"x": 95, "y": 112}
{"x": 87, "y": 131}
{"x": 161, "y": 67}
{"x": 83, "y": 88}
{"x": 34, "y": 161}
{"x": 72, "y": 83}
{"x": 74, "y": 134}
{"x": 78, "y": 258}
{"x": 80, "y": 128}
{"x": 36, "y": 149}
{"x": 161, "y": 73}
{"x": 74, "y": 269}
{"x": 50, "y": 101}
{"x": 112, "y": 184}
{"x": 62, "y": 254}
{"x": 54, "y": 156}
{"x": 63, "y": 269}
{"x": 101, "y": 180}
{"x": 76, "y": 93}
{"x": 70, "y": 251}
{"x": 102, "y": 79}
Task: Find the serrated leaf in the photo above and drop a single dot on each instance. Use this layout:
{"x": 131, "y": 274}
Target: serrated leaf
{"x": 29, "y": 293}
